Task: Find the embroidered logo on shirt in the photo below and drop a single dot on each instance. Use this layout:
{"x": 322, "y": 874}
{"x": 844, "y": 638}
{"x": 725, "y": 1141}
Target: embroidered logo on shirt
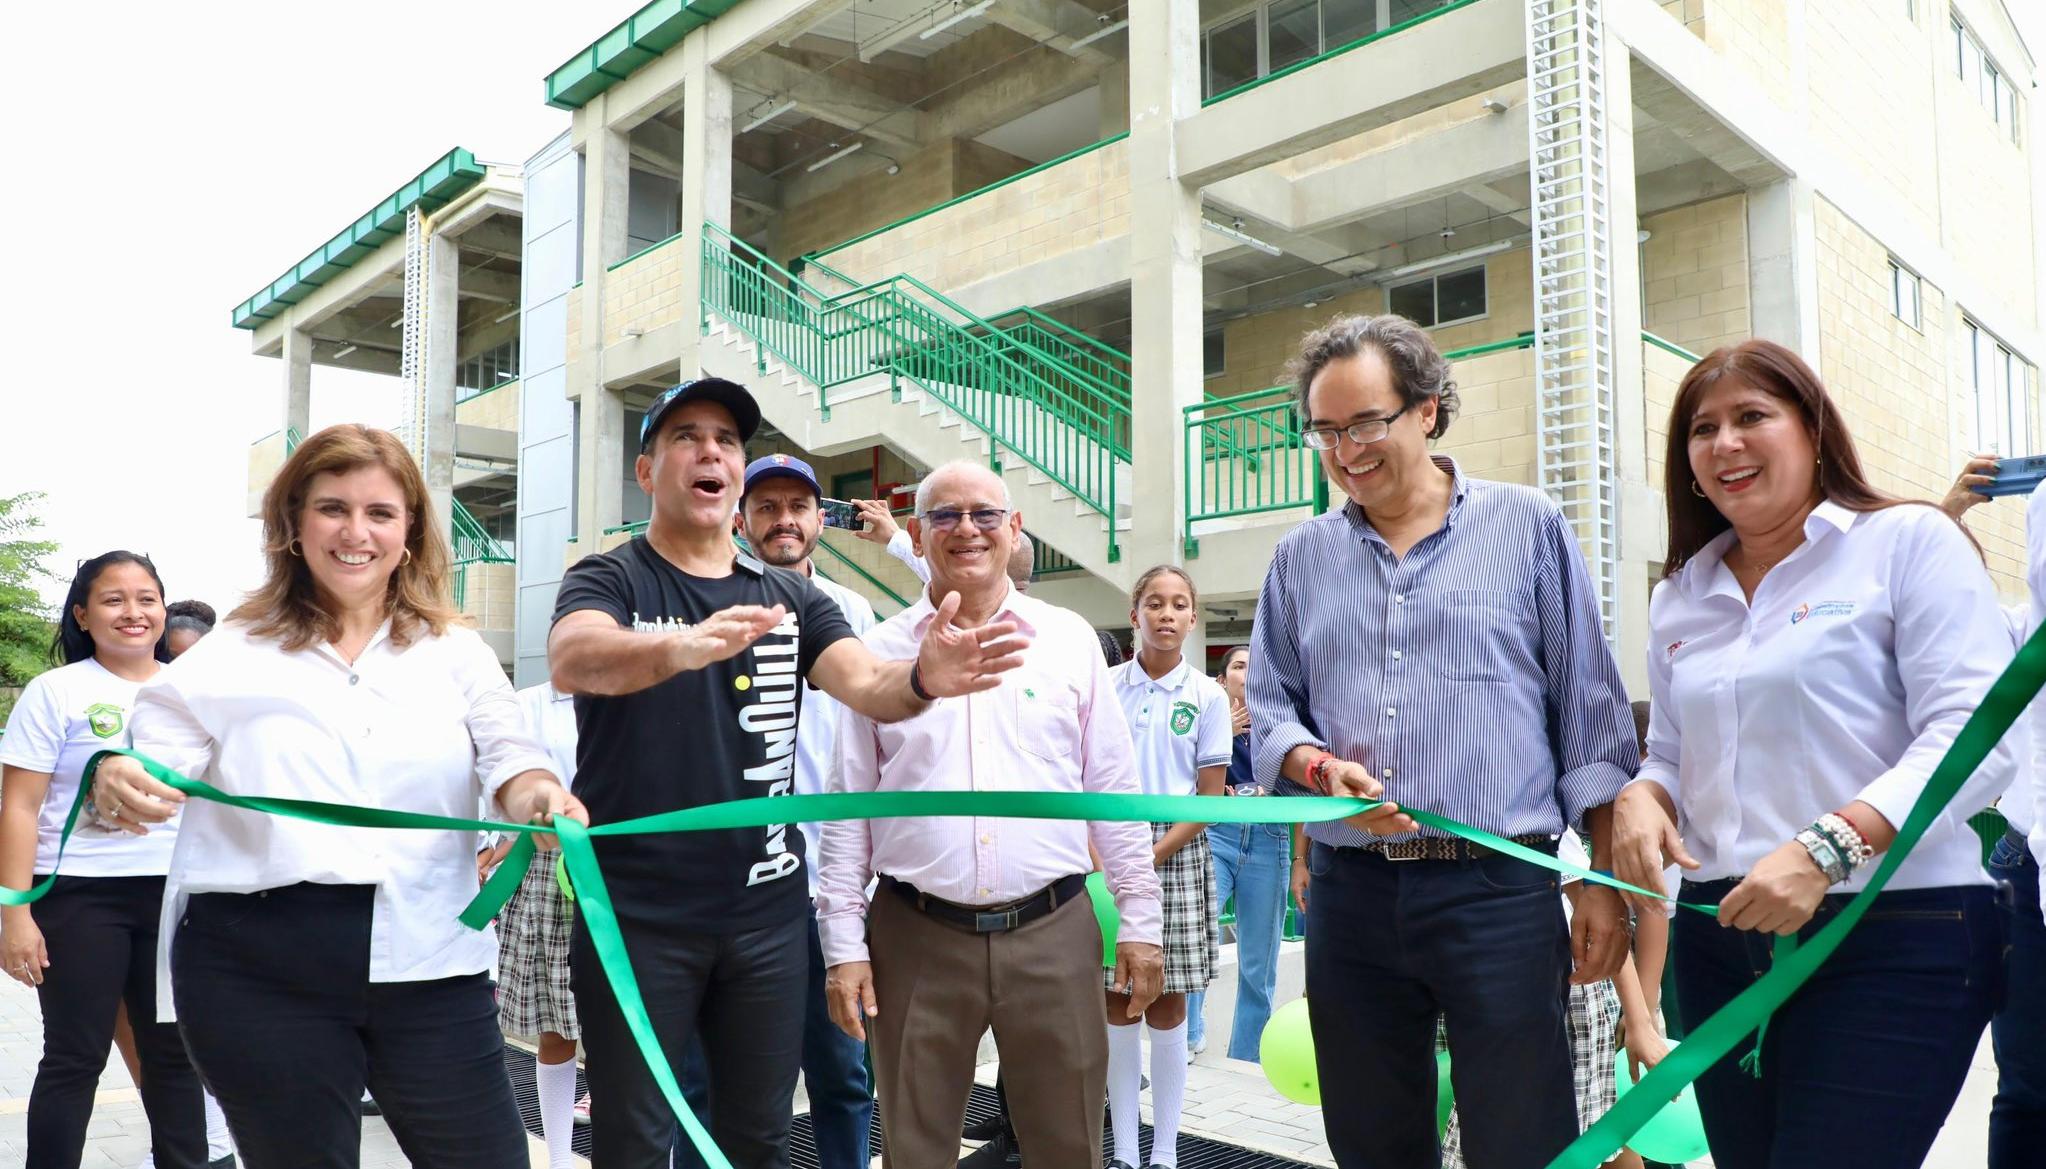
{"x": 1671, "y": 652}
{"x": 1822, "y": 609}
{"x": 105, "y": 720}
{"x": 1183, "y": 717}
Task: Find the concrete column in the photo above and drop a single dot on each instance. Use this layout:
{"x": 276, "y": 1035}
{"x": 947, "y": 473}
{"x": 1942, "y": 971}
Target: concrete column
{"x": 443, "y": 310}
{"x": 1165, "y": 274}
{"x": 607, "y": 177}
{"x": 1640, "y": 522}
{"x": 706, "y": 177}
{"x": 298, "y": 381}
{"x": 1783, "y": 266}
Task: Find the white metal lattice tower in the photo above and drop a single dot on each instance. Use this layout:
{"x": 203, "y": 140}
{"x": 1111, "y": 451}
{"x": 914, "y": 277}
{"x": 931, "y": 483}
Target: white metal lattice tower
{"x": 1573, "y": 291}
{"x": 412, "y": 362}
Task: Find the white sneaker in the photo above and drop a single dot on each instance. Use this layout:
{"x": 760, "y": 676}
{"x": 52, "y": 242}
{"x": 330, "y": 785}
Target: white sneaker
{"x": 1194, "y": 1049}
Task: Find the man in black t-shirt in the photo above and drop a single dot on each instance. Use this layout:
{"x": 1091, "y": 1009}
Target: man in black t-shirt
{"x": 687, "y": 661}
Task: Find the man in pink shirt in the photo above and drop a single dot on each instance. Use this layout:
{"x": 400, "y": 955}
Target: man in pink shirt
{"x": 980, "y": 923}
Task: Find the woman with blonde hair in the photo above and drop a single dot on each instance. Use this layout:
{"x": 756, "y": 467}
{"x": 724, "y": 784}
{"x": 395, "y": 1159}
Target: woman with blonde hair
{"x": 305, "y": 960}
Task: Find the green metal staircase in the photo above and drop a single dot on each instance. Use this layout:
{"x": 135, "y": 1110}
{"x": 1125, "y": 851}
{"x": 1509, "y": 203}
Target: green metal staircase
{"x": 1040, "y": 393}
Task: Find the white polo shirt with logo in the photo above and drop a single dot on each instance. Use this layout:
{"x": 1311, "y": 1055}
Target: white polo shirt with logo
{"x": 1178, "y": 723}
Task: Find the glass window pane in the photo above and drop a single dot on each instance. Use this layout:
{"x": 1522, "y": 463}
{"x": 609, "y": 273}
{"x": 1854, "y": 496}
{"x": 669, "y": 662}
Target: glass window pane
{"x": 1405, "y": 10}
{"x": 1232, "y": 54}
{"x": 1911, "y": 303}
{"x": 1292, "y": 32}
{"x": 1460, "y": 295}
{"x": 1343, "y": 21}
{"x": 1415, "y": 301}
{"x": 1960, "y": 50}
{"x": 1214, "y": 356}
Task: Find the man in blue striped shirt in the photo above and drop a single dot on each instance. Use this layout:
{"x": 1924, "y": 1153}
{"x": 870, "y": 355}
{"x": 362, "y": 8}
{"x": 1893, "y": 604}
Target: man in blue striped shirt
{"x": 1436, "y": 642}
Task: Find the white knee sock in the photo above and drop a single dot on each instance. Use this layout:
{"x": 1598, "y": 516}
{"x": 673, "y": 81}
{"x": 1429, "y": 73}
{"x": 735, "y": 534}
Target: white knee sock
{"x": 556, "y": 1082}
{"x": 1168, "y": 1088}
{"x": 1125, "y": 1081}
{"x": 218, "y": 1143}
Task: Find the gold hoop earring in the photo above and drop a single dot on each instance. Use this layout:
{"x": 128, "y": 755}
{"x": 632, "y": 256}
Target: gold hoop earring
{"x": 294, "y": 549}
{"x": 1695, "y": 489}
{"x": 406, "y": 558}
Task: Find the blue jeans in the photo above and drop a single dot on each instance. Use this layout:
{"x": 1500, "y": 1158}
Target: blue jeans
{"x": 834, "y": 1076}
{"x": 2017, "y": 1120}
{"x": 1392, "y": 944}
{"x": 1863, "y": 1063}
{"x": 1251, "y": 862}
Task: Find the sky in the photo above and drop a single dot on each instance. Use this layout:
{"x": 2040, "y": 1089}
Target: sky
{"x": 168, "y": 163}
{"x": 174, "y": 159}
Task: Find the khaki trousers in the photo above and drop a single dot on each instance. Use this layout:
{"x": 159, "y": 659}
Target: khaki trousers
{"x": 939, "y": 988}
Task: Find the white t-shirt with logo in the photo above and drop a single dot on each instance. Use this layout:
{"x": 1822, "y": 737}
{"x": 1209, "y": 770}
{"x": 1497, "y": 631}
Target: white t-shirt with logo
{"x": 1178, "y": 724}
{"x": 61, "y": 719}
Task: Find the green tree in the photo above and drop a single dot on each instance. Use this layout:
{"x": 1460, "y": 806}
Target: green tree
{"x": 25, "y": 625}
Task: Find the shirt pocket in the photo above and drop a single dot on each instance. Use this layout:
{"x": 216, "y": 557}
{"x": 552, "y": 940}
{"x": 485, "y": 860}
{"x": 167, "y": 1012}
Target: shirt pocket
{"x": 1478, "y": 628}
{"x": 1047, "y": 718}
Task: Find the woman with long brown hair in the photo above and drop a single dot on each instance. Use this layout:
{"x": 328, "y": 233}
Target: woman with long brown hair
{"x": 1815, "y": 647}
{"x": 307, "y": 960}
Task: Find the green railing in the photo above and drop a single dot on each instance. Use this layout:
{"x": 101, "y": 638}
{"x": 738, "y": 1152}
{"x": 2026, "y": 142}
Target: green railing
{"x": 1055, "y": 417}
{"x": 1052, "y": 562}
{"x": 472, "y": 544}
{"x": 291, "y": 440}
{"x": 843, "y": 563}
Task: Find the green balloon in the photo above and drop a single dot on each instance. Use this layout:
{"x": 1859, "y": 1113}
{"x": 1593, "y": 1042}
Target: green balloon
{"x": 1676, "y": 1134}
{"x": 1286, "y": 1051}
{"x": 1105, "y": 913}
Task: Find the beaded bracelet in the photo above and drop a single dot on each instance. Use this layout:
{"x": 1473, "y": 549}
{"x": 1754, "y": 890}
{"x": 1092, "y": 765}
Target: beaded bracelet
{"x": 1854, "y": 850}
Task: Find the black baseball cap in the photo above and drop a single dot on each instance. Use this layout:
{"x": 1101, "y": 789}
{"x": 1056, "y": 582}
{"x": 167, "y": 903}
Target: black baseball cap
{"x": 729, "y": 394}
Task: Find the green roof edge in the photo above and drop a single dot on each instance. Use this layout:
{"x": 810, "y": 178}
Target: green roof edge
{"x": 449, "y": 175}
{"x": 637, "y": 40}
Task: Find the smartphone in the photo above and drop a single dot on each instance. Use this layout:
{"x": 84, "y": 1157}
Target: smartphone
{"x": 840, "y": 514}
{"x": 2015, "y": 476}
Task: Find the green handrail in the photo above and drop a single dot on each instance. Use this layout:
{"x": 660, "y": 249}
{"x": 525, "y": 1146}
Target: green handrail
{"x": 848, "y": 562}
{"x": 291, "y": 440}
{"x": 472, "y": 544}
{"x": 1054, "y": 417}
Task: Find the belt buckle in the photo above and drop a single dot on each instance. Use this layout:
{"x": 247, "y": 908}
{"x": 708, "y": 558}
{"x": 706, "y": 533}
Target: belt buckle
{"x": 1416, "y": 853}
{"x": 994, "y": 923}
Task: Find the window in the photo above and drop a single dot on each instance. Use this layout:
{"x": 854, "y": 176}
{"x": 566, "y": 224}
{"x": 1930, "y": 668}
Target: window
{"x": 487, "y": 370}
{"x": 2003, "y": 394}
{"x": 1904, "y": 295}
{"x": 1980, "y": 75}
{"x": 1278, "y": 34}
{"x": 1213, "y": 356}
{"x": 1441, "y": 300}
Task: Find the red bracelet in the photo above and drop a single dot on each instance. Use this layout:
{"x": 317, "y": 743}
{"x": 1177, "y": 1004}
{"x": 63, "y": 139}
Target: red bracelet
{"x": 1315, "y": 777}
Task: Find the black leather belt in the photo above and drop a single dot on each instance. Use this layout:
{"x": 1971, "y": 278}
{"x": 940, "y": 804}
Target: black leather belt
{"x": 1448, "y": 848}
{"x": 990, "y": 919}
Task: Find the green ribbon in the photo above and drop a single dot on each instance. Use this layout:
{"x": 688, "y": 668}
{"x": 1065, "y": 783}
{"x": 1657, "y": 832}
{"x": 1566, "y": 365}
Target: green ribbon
{"x": 1706, "y": 1044}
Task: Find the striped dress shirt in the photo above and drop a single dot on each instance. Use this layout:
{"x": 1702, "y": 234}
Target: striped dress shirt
{"x": 1470, "y": 676}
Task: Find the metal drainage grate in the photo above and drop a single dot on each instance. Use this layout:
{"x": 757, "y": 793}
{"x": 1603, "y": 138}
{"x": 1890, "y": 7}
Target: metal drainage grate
{"x": 1194, "y": 1152}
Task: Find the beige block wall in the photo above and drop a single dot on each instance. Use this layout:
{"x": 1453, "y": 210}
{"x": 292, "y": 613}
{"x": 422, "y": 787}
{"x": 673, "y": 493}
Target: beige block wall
{"x": 875, "y": 199}
{"x": 1695, "y": 274}
{"x": 1870, "y": 73}
{"x": 1661, "y": 373}
{"x": 1904, "y": 392}
{"x": 1073, "y": 205}
{"x": 1985, "y": 194}
{"x": 497, "y": 407}
{"x": 645, "y": 291}
{"x": 490, "y": 595}
{"x": 266, "y": 458}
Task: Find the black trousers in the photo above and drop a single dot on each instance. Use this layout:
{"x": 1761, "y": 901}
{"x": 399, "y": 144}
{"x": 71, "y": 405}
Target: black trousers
{"x": 1390, "y": 945}
{"x": 101, "y": 935}
{"x": 275, "y": 1001}
{"x": 742, "y": 994}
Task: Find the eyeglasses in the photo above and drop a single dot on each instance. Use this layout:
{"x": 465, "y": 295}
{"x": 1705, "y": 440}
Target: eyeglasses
{"x": 944, "y": 519}
{"x": 1324, "y": 438}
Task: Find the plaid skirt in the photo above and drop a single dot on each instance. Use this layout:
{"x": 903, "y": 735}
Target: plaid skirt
{"x": 1593, "y": 1018}
{"x": 1192, "y": 947}
{"x": 532, "y": 957}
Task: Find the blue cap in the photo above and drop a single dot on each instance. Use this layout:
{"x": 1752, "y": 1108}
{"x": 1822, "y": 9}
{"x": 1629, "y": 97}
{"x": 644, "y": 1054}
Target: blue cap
{"x": 729, "y": 394}
{"x": 771, "y": 466}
